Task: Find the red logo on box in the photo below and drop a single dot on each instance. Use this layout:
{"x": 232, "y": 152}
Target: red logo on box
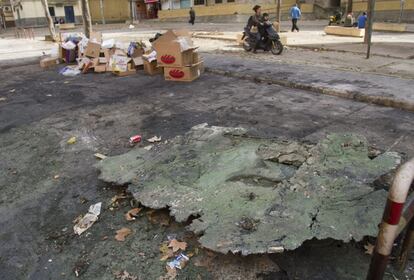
{"x": 168, "y": 59}
{"x": 176, "y": 74}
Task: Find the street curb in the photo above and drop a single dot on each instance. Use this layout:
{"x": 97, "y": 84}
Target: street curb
{"x": 215, "y": 38}
{"x": 19, "y": 62}
{"x": 310, "y": 47}
{"x": 353, "y": 95}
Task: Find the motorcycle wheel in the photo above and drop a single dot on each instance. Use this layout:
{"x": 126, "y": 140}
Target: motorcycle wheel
{"x": 246, "y": 45}
{"x": 277, "y": 47}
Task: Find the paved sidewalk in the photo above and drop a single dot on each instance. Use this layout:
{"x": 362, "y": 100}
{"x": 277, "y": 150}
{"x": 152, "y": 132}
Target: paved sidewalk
{"x": 369, "y": 88}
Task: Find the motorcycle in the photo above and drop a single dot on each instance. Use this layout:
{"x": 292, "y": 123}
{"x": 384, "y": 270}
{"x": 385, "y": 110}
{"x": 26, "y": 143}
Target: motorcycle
{"x": 335, "y": 19}
{"x": 269, "y": 42}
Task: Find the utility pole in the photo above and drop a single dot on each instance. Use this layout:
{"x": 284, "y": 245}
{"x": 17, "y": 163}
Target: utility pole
{"x": 368, "y": 27}
{"x": 86, "y": 16}
{"x": 49, "y": 19}
{"x": 101, "y": 5}
{"x": 279, "y": 14}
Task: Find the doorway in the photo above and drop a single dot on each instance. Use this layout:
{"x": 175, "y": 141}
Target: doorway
{"x": 69, "y": 14}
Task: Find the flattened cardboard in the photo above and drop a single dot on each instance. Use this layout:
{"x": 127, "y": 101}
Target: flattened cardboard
{"x": 93, "y": 49}
{"x": 183, "y": 74}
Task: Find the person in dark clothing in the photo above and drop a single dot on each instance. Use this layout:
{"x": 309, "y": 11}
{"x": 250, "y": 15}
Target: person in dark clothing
{"x": 267, "y": 30}
{"x": 192, "y": 16}
{"x": 253, "y": 24}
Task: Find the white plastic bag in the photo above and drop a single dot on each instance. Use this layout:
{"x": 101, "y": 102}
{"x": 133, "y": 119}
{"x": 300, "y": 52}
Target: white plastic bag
{"x": 69, "y": 45}
{"x": 70, "y": 71}
{"x": 107, "y": 44}
{"x": 150, "y": 57}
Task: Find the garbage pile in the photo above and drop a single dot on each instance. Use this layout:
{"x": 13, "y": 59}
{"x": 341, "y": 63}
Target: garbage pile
{"x": 172, "y": 54}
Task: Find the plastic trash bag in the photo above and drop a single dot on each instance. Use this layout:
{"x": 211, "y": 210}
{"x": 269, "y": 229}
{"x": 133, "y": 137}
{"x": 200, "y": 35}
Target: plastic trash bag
{"x": 69, "y": 45}
{"x": 69, "y": 71}
{"x": 150, "y": 57}
{"x": 107, "y": 44}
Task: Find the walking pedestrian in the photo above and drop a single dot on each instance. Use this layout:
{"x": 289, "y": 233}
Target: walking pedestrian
{"x": 295, "y": 15}
{"x": 192, "y": 16}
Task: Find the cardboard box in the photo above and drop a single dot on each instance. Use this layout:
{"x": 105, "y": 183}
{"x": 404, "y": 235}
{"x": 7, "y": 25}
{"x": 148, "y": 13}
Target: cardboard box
{"x": 130, "y": 71}
{"x": 151, "y": 68}
{"x": 119, "y": 63}
{"x": 174, "y": 48}
{"x": 101, "y": 68}
{"x": 183, "y": 74}
{"x": 95, "y": 62}
{"x": 68, "y": 56}
{"x": 137, "y": 61}
{"x": 138, "y": 52}
{"x": 48, "y": 62}
{"x": 119, "y": 52}
{"x": 102, "y": 60}
{"x": 93, "y": 49}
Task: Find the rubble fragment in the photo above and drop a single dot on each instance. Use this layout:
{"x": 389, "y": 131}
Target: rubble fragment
{"x": 252, "y": 195}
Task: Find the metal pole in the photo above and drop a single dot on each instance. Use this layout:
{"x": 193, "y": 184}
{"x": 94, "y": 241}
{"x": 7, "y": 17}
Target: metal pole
{"x": 368, "y": 28}
{"x": 407, "y": 246}
{"x": 389, "y": 228}
{"x": 101, "y": 4}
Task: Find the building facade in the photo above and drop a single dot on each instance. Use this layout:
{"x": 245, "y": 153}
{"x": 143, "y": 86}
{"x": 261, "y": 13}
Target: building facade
{"x": 386, "y": 10}
{"x": 30, "y": 13}
{"x": 110, "y": 11}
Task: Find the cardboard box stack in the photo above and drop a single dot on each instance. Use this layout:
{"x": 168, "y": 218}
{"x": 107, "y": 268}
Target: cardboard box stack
{"x": 173, "y": 54}
{"x": 177, "y": 55}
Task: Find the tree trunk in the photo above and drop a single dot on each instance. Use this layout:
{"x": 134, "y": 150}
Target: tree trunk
{"x": 278, "y": 14}
{"x": 50, "y": 23}
{"x": 101, "y": 4}
{"x": 86, "y": 16}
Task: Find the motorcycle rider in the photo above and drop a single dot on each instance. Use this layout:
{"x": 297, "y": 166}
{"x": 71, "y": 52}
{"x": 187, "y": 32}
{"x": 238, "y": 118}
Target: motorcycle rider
{"x": 252, "y": 27}
{"x": 267, "y": 28}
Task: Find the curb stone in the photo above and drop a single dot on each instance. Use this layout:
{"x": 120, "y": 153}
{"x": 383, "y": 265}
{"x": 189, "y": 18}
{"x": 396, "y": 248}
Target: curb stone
{"x": 353, "y": 95}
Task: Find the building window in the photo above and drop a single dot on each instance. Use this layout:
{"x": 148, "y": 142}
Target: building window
{"x": 230, "y": 1}
{"x": 219, "y": 1}
{"x": 52, "y": 11}
{"x": 199, "y": 2}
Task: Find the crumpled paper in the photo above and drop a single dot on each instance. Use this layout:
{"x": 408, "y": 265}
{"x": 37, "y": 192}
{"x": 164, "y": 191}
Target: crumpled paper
{"x": 89, "y": 219}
